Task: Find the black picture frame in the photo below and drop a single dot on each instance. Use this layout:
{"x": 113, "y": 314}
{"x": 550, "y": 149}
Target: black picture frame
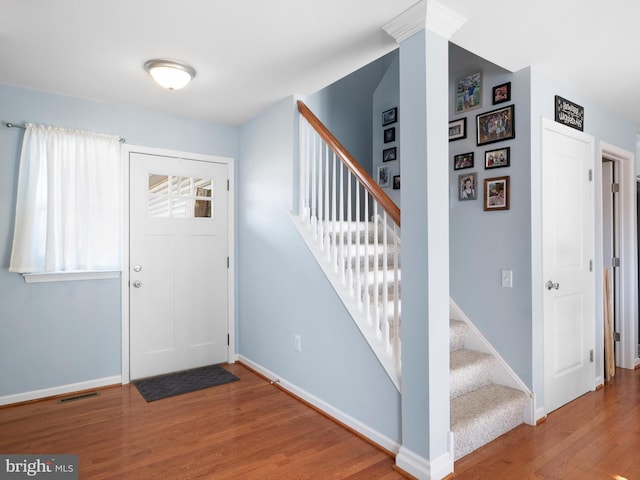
{"x": 498, "y": 158}
{"x": 463, "y": 160}
{"x": 389, "y": 154}
{"x": 390, "y": 116}
{"x": 496, "y": 125}
{"x": 458, "y": 129}
{"x": 390, "y": 135}
{"x": 383, "y": 176}
{"x": 396, "y": 182}
{"x": 501, "y": 93}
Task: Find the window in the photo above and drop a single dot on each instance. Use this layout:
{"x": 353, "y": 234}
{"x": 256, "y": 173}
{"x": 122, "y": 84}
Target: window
{"x": 69, "y": 202}
{"x": 179, "y": 197}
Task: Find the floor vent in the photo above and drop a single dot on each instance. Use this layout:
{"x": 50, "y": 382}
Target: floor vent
{"x": 78, "y": 397}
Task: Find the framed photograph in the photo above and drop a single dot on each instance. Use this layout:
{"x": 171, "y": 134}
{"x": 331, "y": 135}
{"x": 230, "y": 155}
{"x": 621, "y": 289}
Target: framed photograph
{"x": 396, "y": 182}
{"x": 467, "y": 186}
{"x": 390, "y": 116}
{"x": 390, "y": 135}
{"x": 458, "y": 129}
{"x": 502, "y": 93}
{"x": 463, "y": 160}
{"x": 496, "y": 193}
{"x": 496, "y": 125}
{"x": 497, "y": 158}
{"x": 469, "y": 92}
{"x": 383, "y": 176}
{"x": 389, "y": 154}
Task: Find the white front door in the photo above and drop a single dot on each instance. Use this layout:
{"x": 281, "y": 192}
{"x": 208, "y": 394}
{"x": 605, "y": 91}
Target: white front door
{"x": 568, "y": 254}
{"x": 178, "y": 264}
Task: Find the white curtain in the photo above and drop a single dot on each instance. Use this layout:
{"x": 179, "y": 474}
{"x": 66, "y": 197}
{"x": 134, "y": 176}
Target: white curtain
{"x": 68, "y": 209}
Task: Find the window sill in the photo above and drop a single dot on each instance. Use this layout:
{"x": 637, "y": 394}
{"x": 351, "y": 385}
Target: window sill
{"x": 69, "y": 276}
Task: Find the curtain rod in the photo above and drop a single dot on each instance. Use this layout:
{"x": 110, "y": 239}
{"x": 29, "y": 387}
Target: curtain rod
{"x": 13, "y": 125}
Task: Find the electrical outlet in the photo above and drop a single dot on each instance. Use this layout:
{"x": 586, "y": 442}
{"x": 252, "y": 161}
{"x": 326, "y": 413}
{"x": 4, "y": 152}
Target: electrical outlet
{"x": 296, "y": 343}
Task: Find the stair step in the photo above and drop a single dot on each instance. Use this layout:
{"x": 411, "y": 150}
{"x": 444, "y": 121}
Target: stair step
{"x": 370, "y": 257}
{"x": 469, "y": 370}
{"x": 458, "y": 333}
{"x": 482, "y": 415}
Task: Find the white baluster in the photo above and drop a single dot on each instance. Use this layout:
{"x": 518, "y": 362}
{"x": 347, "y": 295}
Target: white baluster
{"x": 376, "y": 282}
{"x": 349, "y": 235}
{"x": 326, "y": 202}
{"x": 385, "y": 282}
{"x": 314, "y": 213}
{"x": 342, "y": 242}
{"x": 320, "y": 192}
{"x": 358, "y": 286}
{"x": 334, "y": 217}
{"x": 367, "y": 296}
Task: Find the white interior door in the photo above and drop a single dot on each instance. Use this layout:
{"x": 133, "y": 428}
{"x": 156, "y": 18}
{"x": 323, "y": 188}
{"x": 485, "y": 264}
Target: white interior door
{"x": 568, "y": 253}
{"x": 178, "y": 264}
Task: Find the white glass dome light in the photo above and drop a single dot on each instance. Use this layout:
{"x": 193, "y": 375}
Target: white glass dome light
{"x": 169, "y": 73}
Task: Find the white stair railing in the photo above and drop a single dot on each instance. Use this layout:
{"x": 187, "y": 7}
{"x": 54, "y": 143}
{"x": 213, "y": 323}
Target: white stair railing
{"x": 355, "y": 228}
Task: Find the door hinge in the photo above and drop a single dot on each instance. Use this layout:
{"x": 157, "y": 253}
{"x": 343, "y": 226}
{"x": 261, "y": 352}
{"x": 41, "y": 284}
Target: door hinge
{"x": 227, "y": 184}
{"x": 590, "y": 175}
{"x": 591, "y": 356}
{"x": 591, "y": 265}
{"x": 615, "y": 188}
{"x": 227, "y": 339}
{"x": 227, "y": 262}
{"x": 615, "y": 262}
{"x": 616, "y": 336}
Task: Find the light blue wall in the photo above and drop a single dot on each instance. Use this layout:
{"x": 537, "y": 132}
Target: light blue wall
{"x": 482, "y": 243}
{"x": 62, "y": 333}
{"x": 283, "y": 291}
{"x": 386, "y": 96}
{"x": 346, "y": 108}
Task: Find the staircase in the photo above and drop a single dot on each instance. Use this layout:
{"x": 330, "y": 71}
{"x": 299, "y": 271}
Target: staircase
{"x": 481, "y": 411}
{"x": 352, "y": 228}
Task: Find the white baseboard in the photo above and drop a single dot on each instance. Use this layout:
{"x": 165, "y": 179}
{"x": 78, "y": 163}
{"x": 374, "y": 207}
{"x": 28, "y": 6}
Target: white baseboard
{"x": 364, "y": 430}
{"x": 423, "y": 469}
{"x": 60, "y": 390}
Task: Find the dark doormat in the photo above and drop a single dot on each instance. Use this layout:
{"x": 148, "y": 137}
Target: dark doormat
{"x": 171, "y": 384}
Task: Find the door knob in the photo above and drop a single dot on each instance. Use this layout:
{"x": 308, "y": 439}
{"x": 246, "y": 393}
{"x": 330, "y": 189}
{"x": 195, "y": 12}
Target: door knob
{"x": 137, "y": 283}
{"x": 551, "y": 285}
{"x": 137, "y": 268}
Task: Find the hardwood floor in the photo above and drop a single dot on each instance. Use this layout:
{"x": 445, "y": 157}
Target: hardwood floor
{"x": 596, "y": 437}
{"x": 243, "y": 430}
{"x": 253, "y": 430}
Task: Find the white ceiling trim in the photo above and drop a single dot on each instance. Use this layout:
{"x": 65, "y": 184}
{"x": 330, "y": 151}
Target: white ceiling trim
{"x": 427, "y": 14}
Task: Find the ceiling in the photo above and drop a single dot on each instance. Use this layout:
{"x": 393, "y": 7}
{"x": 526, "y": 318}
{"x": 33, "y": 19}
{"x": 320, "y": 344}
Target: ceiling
{"x": 249, "y": 54}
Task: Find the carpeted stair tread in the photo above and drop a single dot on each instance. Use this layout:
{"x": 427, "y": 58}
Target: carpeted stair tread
{"x": 482, "y": 415}
{"x": 458, "y": 331}
{"x": 469, "y": 371}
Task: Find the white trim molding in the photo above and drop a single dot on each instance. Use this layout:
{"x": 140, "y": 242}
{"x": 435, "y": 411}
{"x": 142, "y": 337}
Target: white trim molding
{"x": 364, "y": 430}
{"x": 428, "y": 14}
{"x": 60, "y": 390}
{"x": 424, "y": 469}
{"x": 69, "y": 276}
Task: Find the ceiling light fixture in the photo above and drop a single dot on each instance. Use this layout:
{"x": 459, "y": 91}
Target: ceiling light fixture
{"x": 169, "y": 73}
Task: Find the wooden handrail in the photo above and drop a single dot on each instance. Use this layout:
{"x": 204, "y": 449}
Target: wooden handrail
{"x": 352, "y": 164}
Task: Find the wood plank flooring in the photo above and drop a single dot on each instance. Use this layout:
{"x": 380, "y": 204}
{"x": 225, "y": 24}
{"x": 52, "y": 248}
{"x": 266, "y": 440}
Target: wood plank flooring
{"x": 253, "y": 430}
{"x": 596, "y": 437}
{"x": 243, "y": 430}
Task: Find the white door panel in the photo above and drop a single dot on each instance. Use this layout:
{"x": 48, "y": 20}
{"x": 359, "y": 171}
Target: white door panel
{"x": 568, "y": 253}
{"x": 178, "y": 258}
